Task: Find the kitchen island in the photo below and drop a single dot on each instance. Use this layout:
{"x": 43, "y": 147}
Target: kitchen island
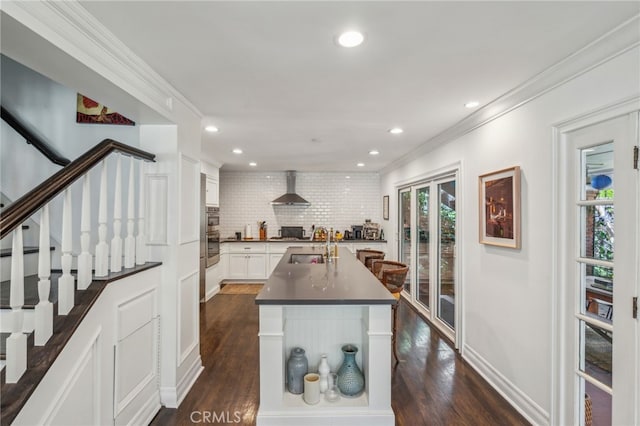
{"x": 320, "y": 307}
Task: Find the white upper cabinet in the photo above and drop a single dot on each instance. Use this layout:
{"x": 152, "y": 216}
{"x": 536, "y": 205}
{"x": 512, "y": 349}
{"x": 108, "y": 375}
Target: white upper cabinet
{"x": 213, "y": 198}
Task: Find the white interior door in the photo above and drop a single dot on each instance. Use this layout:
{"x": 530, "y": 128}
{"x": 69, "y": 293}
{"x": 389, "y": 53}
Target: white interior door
{"x": 601, "y": 363}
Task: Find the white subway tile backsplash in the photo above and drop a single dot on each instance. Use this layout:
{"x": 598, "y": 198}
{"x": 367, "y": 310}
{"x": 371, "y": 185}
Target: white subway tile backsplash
{"x": 336, "y": 202}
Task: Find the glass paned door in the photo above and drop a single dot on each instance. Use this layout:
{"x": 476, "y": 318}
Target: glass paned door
{"x": 405, "y": 234}
{"x": 428, "y": 223}
{"x": 422, "y": 241}
{"x": 595, "y": 317}
{"x": 604, "y": 222}
{"x": 446, "y": 252}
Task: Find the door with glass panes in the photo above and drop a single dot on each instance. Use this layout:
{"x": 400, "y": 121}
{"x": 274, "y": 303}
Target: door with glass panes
{"x": 428, "y": 225}
{"x": 602, "y": 366}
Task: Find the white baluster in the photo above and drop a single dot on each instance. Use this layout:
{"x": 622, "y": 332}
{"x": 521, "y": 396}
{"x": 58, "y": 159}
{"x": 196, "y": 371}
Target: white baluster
{"x": 116, "y": 241}
{"x": 44, "y": 308}
{"x": 85, "y": 261}
{"x": 66, "y": 293}
{"x": 16, "y": 355}
{"x": 141, "y": 249}
{"x": 102, "y": 248}
{"x": 130, "y": 241}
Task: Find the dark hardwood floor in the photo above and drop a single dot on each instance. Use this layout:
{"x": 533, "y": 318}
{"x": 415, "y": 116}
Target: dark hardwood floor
{"x": 433, "y": 386}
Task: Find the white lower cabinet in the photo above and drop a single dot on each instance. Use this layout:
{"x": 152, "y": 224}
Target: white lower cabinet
{"x": 247, "y": 266}
{"x": 257, "y": 260}
{"x": 274, "y": 259}
{"x": 257, "y": 266}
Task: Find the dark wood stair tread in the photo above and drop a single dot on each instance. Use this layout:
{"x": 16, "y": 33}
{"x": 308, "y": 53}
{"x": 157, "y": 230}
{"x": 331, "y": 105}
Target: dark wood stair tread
{"x": 31, "y": 298}
{"x": 6, "y": 252}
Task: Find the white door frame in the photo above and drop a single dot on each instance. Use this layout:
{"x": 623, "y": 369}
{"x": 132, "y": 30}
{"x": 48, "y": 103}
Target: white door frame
{"x": 562, "y": 405}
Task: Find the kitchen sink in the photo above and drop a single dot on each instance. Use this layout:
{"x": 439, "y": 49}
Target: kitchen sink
{"x": 306, "y": 258}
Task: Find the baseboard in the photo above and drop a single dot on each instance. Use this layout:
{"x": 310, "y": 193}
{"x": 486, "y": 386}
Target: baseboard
{"x": 215, "y": 290}
{"x": 518, "y": 399}
{"x": 169, "y": 397}
{"x": 148, "y": 411}
{"x": 187, "y": 381}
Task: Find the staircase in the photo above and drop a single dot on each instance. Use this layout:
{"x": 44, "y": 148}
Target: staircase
{"x": 41, "y": 307}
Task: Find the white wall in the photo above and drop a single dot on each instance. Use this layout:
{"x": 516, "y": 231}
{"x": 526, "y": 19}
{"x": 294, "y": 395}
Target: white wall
{"x": 336, "y": 201}
{"x": 507, "y": 293}
{"x": 49, "y": 110}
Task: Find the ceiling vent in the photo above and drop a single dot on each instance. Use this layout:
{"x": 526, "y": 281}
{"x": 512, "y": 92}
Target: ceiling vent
{"x": 290, "y": 198}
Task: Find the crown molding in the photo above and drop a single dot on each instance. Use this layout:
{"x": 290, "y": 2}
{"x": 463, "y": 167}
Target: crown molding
{"x": 71, "y": 28}
{"x": 604, "y": 49}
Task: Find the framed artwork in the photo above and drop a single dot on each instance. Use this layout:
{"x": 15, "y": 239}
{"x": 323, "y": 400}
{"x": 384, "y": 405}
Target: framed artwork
{"x": 91, "y": 112}
{"x": 499, "y": 197}
{"x": 385, "y": 207}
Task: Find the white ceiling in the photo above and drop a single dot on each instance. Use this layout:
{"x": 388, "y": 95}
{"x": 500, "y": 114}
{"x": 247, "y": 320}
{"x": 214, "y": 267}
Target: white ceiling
{"x": 271, "y": 77}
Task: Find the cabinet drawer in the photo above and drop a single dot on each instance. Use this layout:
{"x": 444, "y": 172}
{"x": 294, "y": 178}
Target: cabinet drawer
{"x": 247, "y": 248}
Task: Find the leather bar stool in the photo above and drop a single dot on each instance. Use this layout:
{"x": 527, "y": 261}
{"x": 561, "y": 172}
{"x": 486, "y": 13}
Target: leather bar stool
{"x": 392, "y": 275}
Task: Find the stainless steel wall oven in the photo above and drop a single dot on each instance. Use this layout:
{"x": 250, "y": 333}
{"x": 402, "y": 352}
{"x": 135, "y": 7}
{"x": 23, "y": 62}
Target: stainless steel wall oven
{"x": 213, "y": 235}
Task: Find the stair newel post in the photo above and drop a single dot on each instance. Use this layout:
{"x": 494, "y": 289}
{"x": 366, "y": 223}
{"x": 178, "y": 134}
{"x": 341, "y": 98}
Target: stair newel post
{"x": 66, "y": 292}
{"x": 43, "y": 327}
{"x": 102, "y": 248}
{"x": 16, "y": 355}
{"x": 116, "y": 241}
{"x": 85, "y": 261}
{"x": 130, "y": 241}
{"x": 141, "y": 252}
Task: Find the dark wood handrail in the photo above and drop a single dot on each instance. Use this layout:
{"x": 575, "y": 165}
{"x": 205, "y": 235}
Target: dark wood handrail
{"x": 32, "y": 139}
{"x": 32, "y": 201}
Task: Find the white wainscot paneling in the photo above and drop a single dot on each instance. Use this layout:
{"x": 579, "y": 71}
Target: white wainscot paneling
{"x": 136, "y": 371}
{"x": 156, "y": 208}
{"x": 189, "y": 207}
{"x": 188, "y": 294}
{"x": 136, "y": 358}
{"x": 338, "y": 326}
{"x": 78, "y": 401}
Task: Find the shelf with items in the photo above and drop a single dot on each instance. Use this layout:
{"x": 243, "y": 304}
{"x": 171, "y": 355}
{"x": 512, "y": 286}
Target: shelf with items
{"x": 322, "y": 329}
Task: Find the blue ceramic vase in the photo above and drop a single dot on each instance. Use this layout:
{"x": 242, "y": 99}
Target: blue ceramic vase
{"x": 350, "y": 377}
{"x": 297, "y": 367}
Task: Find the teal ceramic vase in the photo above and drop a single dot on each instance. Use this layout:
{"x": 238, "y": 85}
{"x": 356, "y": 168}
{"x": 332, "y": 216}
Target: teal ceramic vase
{"x": 350, "y": 377}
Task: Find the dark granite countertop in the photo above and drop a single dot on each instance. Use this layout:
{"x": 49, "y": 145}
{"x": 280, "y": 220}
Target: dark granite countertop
{"x": 299, "y": 240}
{"x": 346, "y": 281}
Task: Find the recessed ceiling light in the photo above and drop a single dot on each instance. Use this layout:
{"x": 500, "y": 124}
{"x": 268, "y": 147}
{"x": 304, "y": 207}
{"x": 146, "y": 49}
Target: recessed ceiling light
{"x": 211, "y": 129}
{"x": 350, "y": 39}
{"x": 396, "y": 130}
{"x": 253, "y": 164}
{"x": 360, "y": 164}
{"x": 374, "y": 152}
{"x": 237, "y": 151}
{"x": 472, "y": 104}
{"x": 347, "y": 177}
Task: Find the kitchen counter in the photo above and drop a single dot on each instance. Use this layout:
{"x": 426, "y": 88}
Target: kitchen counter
{"x": 299, "y": 240}
{"x": 320, "y": 307}
{"x": 345, "y": 281}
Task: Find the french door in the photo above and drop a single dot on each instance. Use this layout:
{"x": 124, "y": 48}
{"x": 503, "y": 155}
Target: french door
{"x": 601, "y": 365}
{"x": 428, "y": 222}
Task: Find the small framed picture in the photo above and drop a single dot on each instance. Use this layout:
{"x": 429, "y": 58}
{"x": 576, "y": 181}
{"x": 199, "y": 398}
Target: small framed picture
{"x": 385, "y": 207}
{"x": 499, "y": 210}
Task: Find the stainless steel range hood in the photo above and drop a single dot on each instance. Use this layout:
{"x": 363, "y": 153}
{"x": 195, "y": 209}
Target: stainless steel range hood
{"x": 290, "y": 198}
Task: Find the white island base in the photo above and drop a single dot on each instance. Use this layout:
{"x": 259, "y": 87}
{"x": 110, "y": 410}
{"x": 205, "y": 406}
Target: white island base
{"x": 322, "y": 329}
